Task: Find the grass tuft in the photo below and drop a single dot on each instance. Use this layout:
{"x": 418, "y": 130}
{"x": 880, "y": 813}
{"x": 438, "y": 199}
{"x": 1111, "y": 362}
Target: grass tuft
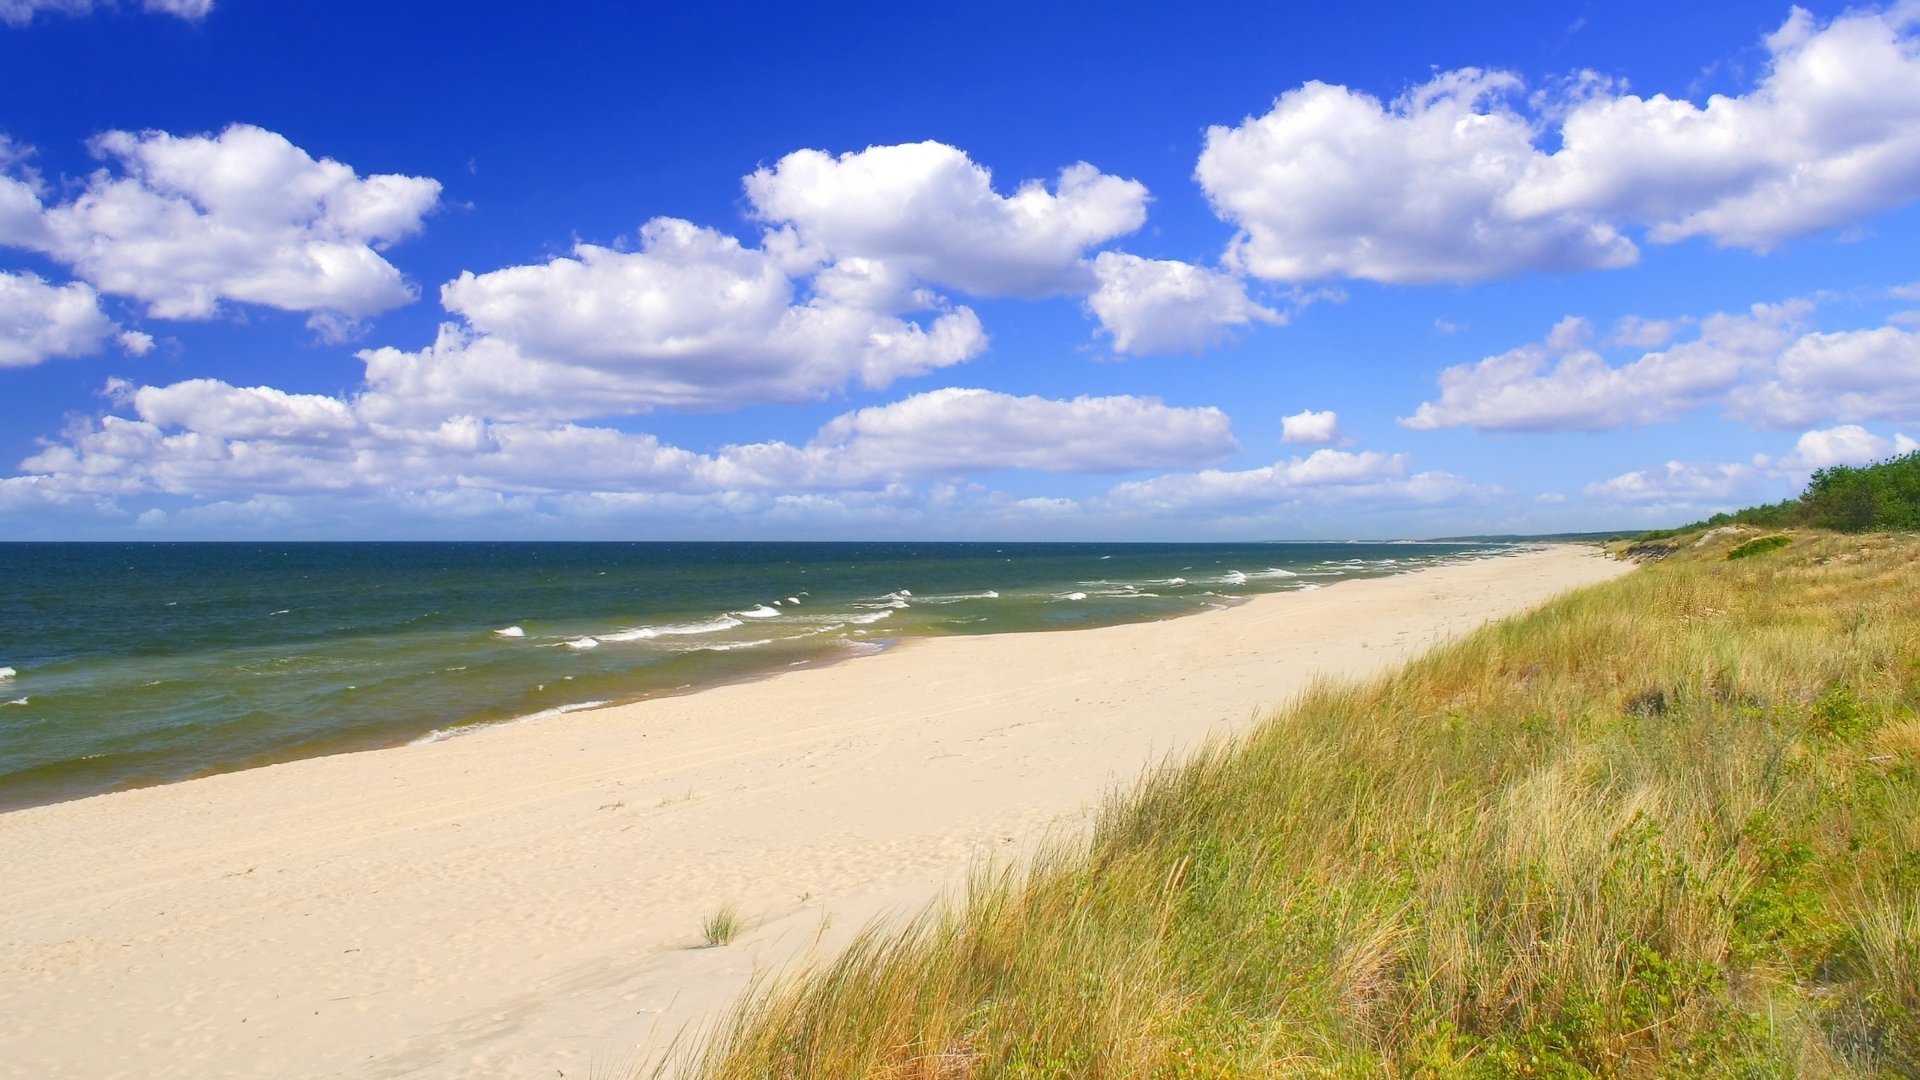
{"x": 1667, "y": 826}
{"x": 721, "y": 926}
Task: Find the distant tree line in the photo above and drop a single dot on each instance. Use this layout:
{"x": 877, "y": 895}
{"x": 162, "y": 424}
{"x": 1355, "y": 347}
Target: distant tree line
{"x": 1882, "y": 497}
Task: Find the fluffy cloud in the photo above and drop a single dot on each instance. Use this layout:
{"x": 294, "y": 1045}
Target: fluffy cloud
{"x": 210, "y": 440}
{"x": 929, "y": 210}
{"x": 1331, "y": 183}
{"x": 1563, "y": 384}
{"x": 190, "y": 222}
{"x": 1848, "y": 444}
{"x": 967, "y": 431}
{"x": 1322, "y": 476}
{"x": 1678, "y": 484}
{"x": 1830, "y": 135}
{"x": 1851, "y": 375}
{"x": 1448, "y": 183}
{"x": 1160, "y": 305}
{"x": 1311, "y": 428}
{"x": 39, "y": 321}
{"x": 21, "y": 12}
{"x": 693, "y": 319}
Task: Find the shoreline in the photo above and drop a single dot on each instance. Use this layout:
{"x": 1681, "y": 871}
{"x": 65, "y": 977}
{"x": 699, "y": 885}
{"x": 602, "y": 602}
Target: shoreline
{"x": 528, "y": 897}
{"x": 34, "y": 787}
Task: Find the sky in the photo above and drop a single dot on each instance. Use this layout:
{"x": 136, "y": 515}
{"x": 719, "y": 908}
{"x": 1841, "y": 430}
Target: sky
{"x": 333, "y": 269}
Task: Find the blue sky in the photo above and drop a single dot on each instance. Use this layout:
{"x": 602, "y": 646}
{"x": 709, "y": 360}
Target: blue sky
{"x": 439, "y": 270}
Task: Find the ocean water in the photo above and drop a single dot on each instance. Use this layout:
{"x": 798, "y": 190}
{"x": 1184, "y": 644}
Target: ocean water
{"x": 123, "y": 665}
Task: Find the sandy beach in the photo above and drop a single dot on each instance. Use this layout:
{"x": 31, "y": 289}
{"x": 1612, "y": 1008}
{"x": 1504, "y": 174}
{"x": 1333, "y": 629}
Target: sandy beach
{"x": 527, "y": 900}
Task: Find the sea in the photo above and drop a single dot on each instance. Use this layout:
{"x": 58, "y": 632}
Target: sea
{"x": 129, "y": 664}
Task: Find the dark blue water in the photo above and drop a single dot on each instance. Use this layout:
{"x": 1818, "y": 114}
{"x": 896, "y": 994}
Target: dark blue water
{"x": 135, "y": 664}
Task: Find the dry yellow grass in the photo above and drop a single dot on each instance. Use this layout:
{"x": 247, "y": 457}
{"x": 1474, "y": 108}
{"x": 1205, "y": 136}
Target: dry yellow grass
{"x": 1667, "y": 826}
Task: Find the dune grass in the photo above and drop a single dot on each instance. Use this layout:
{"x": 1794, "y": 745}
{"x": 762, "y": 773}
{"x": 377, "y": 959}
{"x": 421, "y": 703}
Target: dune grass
{"x": 720, "y": 926}
{"x": 1668, "y": 826}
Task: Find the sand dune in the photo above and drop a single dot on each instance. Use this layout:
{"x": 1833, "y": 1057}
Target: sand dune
{"x": 527, "y": 900}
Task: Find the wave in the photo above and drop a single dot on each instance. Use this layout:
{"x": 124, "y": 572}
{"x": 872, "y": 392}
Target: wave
{"x": 443, "y": 734}
{"x": 1073, "y": 596}
{"x": 760, "y": 612}
{"x": 1175, "y": 582}
{"x": 1233, "y": 577}
{"x": 510, "y": 631}
{"x": 583, "y": 643}
{"x": 7, "y": 673}
{"x": 708, "y": 626}
{"x": 729, "y": 646}
{"x": 18, "y": 701}
{"x": 871, "y": 617}
{"x": 955, "y": 598}
{"x": 1273, "y": 572}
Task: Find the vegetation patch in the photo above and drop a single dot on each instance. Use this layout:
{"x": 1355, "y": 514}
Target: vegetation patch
{"x": 1760, "y": 545}
{"x": 1844, "y": 498}
{"x": 1668, "y": 826}
{"x": 721, "y": 926}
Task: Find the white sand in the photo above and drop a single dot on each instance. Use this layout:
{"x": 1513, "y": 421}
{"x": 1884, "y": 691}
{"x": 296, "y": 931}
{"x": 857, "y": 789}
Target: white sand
{"x": 526, "y": 901}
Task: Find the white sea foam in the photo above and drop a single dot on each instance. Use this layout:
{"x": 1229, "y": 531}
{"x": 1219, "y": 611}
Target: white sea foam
{"x": 18, "y": 701}
{"x": 708, "y": 626}
{"x": 443, "y": 734}
{"x": 1074, "y": 596}
{"x": 510, "y": 631}
{"x": 1234, "y": 577}
{"x": 1176, "y": 582}
{"x": 282, "y": 611}
{"x": 955, "y": 598}
{"x": 760, "y": 612}
{"x": 7, "y": 673}
{"x": 730, "y": 646}
{"x": 793, "y": 600}
{"x": 1275, "y": 572}
{"x": 584, "y": 643}
{"x": 871, "y": 617}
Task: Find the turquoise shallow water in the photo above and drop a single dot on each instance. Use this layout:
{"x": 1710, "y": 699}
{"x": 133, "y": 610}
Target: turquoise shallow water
{"x": 123, "y": 665}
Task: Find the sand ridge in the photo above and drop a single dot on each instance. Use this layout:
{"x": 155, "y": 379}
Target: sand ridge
{"x": 527, "y": 900}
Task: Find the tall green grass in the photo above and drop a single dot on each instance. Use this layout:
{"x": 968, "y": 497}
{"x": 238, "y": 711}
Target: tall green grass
{"x": 1669, "y": 826}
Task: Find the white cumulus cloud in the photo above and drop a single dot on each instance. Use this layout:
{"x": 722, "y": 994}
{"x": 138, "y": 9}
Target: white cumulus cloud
{"x": 1449, "y": 181}
{"x": 929, "y": 210}
{"x": 39, "y": 321}
{"x": 1333, "y": 183}
{"x": 185, "y": 223}
{"x": 1679, "y": 483}
{"x": 1163, "y": 305}
{"x": 966, "y": 430}
{"x": 1847, "y": 444}
{"x": 1322, "y": 476}
{"x": 1311, "y": 428}
{"x": 1870, "y": 374}
{"x": 1563, "y": 384}
{"x": 211, "y": 440}
{"x": 694, "y": 319}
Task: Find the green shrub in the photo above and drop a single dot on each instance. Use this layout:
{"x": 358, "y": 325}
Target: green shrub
{"x": 1760, "y": 545}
